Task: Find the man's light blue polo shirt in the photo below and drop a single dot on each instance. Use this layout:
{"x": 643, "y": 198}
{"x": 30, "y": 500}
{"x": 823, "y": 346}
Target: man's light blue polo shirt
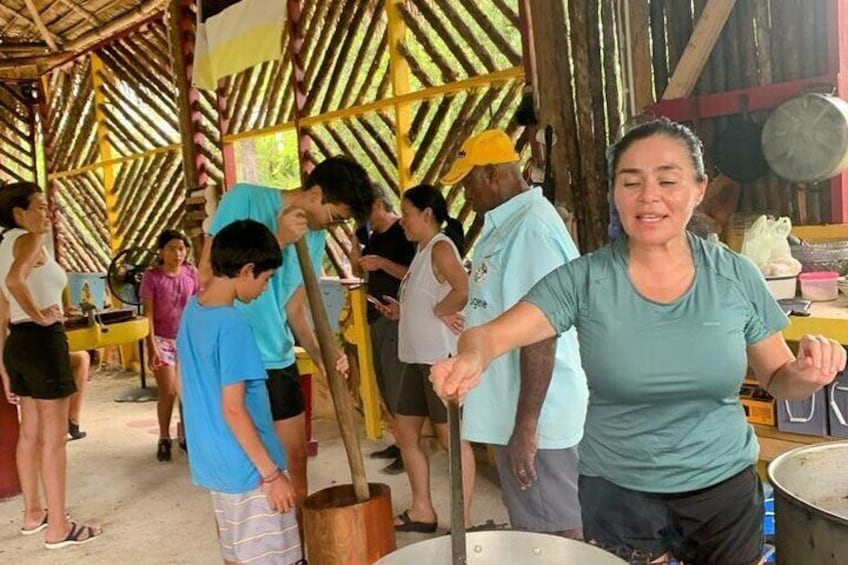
{"x": 522, "y": 240}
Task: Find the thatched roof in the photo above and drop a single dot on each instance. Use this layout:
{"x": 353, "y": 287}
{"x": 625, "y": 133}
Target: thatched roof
{"x": 36, "y": 35}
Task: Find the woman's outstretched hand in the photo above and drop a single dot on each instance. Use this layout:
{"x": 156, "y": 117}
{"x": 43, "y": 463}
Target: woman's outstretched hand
{"x": 819, "y": 360}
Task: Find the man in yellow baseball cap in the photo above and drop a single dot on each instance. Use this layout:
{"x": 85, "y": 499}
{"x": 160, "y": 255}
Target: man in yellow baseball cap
{"x": 522, "y": 240}
{"x": 492, "y": 147}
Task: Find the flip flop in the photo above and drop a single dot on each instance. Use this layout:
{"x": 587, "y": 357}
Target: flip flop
{"x": 410, "y": 525}
{"x": 41, "y": 526}
{"x": 73, "y": 537}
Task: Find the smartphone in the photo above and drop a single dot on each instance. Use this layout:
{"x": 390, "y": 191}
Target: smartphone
{"x": 373, "y": 300}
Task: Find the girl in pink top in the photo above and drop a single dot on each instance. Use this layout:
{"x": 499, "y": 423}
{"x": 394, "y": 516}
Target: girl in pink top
{"x": 165, "y": 290}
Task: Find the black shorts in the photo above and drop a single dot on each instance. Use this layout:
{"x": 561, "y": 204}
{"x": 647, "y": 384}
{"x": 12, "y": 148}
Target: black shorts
{"x": 285, "y": 393}
{"x": 717, "y": 525}
{"x": 416, "y": 396}
{"x": 387, "y": 367}
{"x": 38, "y": 361}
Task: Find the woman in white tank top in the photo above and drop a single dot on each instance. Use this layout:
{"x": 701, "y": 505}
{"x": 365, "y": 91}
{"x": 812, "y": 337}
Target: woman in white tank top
{"x": 432, "y": 296}
{"x": 35, "y": 366}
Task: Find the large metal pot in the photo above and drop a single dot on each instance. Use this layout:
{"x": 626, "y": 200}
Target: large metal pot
{"x": 507, "y": 547}
{"x": 811, "y": 504}
{"x": 806, "y": 138}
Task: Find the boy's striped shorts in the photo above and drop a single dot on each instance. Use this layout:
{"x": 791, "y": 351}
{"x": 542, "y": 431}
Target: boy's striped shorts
{"x": 252, "y": 532}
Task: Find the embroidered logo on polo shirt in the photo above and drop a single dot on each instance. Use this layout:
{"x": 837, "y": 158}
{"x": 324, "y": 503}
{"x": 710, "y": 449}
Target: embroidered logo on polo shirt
{"x": 480, "y": 273}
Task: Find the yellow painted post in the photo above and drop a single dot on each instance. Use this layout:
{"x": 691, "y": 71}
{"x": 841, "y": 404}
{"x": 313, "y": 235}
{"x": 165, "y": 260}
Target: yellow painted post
{"x": 399, "y": 72}
{"x": 105, "y": 153}
{"x": 128, "y": 352}
{"x": 367, "y": 380}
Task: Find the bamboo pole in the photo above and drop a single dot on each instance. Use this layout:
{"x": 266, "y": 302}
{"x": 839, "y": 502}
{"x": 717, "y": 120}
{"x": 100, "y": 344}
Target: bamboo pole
{"x": 494, "y": 35}
{"x": 732, "y": 56}
{"x": 611, "y": 74}
{"x": 679, "y": 30}
{"x": 747, "y": 44}
{"x": 340, "y": 69}
{"x": 658, "y": 46}
{"x": 763, "y": 31}
{"x": 462, "y": 30}
{"x": 556, "y": 99}
{"x": 594, "y": 232}
{"x": 355, "y": 70}
{"x": 423, "y": 38}
{"x": 181, "y": 29}
{"x": 438, "y": 28}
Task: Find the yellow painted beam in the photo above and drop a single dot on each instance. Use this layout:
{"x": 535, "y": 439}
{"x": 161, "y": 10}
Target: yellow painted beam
{"x": 399, "y": 73}
{"x": 113, "y": 162}
{"x": 387, "y": 103}
{"x": 105, "y": 153}
{"x": 367, "y": 379}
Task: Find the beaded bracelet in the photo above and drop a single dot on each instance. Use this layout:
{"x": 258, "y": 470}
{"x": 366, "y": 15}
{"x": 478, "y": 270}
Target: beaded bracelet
{"x": 272, "y": 477}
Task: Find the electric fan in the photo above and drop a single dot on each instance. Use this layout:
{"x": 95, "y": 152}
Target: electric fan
{"x": 123, "y": 278}
{"x": 126, "y": 271}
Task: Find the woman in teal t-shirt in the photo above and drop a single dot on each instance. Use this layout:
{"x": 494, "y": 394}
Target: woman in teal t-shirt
{"x": 667, "y": 324}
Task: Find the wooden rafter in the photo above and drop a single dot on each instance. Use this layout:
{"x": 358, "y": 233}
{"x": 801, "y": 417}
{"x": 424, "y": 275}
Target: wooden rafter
{"x": 39, "y": 23}
{"x": 82, "y": 12}
{"x": 14, "y": 14}
{"x": 22, "y": 47}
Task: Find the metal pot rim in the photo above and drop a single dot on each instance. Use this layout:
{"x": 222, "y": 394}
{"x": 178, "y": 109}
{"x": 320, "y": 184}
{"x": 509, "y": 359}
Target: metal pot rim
{"x": 801, "y": 502}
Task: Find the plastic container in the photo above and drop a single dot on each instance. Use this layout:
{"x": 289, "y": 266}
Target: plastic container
{"x": 782, "y": 287}
{"x": 819, "y": 286}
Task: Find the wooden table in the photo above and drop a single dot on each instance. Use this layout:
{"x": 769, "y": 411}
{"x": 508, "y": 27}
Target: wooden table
{"x": 828, "y": 318}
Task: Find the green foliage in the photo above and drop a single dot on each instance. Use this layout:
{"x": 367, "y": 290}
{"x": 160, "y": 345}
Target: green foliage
{"x": 270, "y": 160}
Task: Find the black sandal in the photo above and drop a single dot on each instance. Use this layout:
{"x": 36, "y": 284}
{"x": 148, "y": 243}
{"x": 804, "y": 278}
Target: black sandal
{"x": 74, "y": 431}
{"x": 410, "y": 525}
{"x": 75, "y": 536}
{"x": 163, "y": 451}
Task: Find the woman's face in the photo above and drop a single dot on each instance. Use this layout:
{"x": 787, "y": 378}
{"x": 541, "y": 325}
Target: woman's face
{"x": 655, "y": 190}
{"x": 414, "y": 221}
{"x": 174, "y": 253}
{"x": 35, "y": 218}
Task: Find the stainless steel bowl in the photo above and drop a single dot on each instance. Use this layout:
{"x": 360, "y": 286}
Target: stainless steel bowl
{"x": 504, "y": 547}
{"x": 826, "y": 256}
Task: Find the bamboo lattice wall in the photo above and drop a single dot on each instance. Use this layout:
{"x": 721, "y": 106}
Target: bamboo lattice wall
{"x": 17, "y": 159}
{"x": 134, "y": 169}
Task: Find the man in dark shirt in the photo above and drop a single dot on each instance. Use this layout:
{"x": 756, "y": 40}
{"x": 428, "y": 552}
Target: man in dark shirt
{"x": 385, "y": 258}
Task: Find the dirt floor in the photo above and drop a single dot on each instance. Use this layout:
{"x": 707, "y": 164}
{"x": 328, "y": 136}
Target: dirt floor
{"x": 153, "y": 514}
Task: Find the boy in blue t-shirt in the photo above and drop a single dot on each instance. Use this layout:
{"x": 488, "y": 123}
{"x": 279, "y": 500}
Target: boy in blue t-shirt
{"x": 235, "y": 452}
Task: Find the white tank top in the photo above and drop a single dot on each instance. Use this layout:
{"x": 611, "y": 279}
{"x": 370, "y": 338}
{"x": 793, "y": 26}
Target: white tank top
{"x": 422, "y": 337}
{"x": 45, "y": 282}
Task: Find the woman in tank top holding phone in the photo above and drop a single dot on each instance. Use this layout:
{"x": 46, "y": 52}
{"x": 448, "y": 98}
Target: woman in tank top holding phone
{"x": 432, "y": 296}
{"x": 35, "y": 367}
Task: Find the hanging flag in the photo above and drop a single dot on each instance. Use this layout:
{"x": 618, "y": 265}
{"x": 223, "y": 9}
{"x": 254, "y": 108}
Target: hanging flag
{"x": 233, "y": 35}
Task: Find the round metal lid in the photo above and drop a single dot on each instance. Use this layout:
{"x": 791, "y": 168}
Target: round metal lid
{"x": 806, "y": 139}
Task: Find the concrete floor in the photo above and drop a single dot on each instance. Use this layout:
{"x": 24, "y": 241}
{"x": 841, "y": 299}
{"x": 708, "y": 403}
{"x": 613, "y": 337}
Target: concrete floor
{"x": 153, "y": 514}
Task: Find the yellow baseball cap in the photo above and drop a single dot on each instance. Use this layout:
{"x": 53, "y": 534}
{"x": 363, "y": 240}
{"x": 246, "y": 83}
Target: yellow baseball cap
{"x": 492, "y": 147}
